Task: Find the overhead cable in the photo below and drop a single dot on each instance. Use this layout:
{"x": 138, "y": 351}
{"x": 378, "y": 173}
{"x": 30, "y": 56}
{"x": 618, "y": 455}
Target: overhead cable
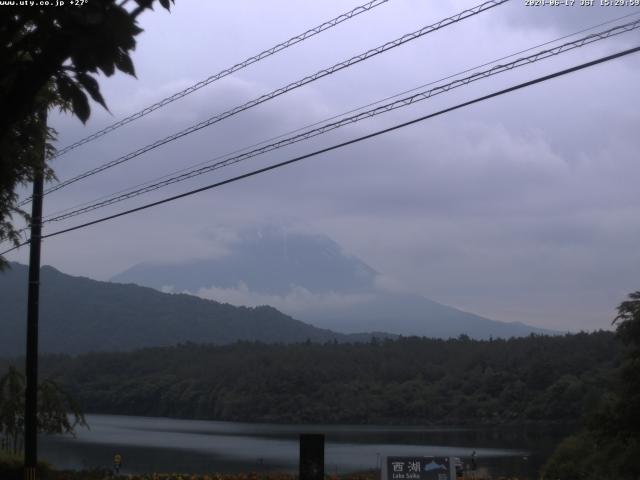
{"x": 280, "y": 91}
{"x": 343, "y": 144}
{"x": 334, "y": 117}
{"x": 226, "y": 72}
{"x": 403, "y": 102}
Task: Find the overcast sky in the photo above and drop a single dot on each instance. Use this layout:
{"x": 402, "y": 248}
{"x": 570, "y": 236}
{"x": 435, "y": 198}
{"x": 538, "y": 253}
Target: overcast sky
{"x": 523, "y": 208}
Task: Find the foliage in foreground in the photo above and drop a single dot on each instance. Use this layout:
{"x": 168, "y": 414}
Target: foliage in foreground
{"x": 51, "y": 57}
{"x": 58, "y": 413}
{"x": 583, "y": 457}
{"x": 609, "y": 447}
{"x": 11, "y": 469}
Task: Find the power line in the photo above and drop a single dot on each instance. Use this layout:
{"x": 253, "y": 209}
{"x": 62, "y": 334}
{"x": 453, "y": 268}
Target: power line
{"x": 420, "y": 96}
{"x": 333, "y": 117}
{"x": 280, "y": 91}
{"x": 344, "y": 144}
{"x": 227, "y": 71}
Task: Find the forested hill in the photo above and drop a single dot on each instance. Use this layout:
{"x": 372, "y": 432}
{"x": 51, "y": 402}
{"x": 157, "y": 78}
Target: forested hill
{"x": 409, "y": 380}
{"x": 80, "y": 315}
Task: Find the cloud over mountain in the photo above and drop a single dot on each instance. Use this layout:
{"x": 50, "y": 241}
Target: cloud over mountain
{"x": 308, "y": 276}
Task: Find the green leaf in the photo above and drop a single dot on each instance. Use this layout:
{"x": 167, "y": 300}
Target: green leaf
{"x": 80, "y": 104}
{"x": 70, "y": 91}
{"x": 91, "y": 86}
{"x": 144, "y": 4}
{"x": 64, "y": 86}
{"x": 124, "y": 64}
{"x": 107, "y": 68}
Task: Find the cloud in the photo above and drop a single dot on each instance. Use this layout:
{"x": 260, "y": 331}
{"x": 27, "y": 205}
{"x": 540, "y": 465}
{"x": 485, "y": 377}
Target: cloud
{"x": 297, "y": 300}
{"x": 385, "y": 283}
{"x": 567, "y": 17}
{"x": 521, "y": 208}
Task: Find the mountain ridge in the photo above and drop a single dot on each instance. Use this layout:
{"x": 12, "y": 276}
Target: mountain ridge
{"x": 78, "y": 315}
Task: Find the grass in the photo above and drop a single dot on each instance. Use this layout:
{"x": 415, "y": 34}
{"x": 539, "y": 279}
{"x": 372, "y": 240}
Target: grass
{"x": 11, "y": 469}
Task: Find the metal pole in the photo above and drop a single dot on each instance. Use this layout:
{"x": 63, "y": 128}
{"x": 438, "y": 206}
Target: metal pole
{"x": 31, "y": 394}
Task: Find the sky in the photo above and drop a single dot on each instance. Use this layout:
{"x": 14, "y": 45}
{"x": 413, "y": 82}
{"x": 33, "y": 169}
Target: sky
{"x": 521, "y": 208}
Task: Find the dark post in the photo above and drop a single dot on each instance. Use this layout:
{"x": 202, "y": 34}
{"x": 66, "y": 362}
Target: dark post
{"x": 31, "y": 394}
{"x": 311, "y": 457}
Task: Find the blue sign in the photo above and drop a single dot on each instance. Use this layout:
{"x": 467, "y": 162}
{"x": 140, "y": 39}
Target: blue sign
{"x": 419, "y": 468}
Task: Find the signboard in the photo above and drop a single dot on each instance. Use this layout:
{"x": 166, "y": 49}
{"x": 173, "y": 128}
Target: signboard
{"x": 419, "y": 468}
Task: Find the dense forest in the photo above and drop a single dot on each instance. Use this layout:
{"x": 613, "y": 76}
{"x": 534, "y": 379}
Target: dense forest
{"x": 408, "y": 380}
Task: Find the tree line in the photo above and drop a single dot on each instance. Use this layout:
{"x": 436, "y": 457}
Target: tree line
{"x": 408, "y": 380}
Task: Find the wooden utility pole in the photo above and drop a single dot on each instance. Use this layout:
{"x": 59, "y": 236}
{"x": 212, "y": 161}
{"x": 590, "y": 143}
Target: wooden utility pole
{"x": 31, "y": 393}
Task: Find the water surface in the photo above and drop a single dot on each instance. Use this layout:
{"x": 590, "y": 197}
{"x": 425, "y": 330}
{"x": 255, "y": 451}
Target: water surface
{"x": 196, "y": 446}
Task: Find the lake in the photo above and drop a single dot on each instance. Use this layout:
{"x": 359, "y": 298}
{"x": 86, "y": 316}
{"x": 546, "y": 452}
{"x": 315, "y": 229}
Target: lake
{"x": 197, "y": 446}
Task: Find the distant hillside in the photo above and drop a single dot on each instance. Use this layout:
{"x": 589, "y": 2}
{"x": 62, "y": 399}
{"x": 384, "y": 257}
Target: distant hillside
{"x": 81, "y": 315}
{"x": 309, "y": 277}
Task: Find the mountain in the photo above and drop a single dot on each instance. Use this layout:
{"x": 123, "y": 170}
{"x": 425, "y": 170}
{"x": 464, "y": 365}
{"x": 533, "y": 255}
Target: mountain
{"x": 80, "y": 315}
{"x": 309, "y": 277}
{"x": 268, "y": 260}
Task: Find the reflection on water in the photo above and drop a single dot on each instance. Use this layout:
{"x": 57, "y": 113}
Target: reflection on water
{"x": 170, "y": 445}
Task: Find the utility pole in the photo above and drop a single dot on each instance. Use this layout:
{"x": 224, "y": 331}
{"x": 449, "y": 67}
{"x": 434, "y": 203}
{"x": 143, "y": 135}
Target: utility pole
{"x": 31, "y": 394}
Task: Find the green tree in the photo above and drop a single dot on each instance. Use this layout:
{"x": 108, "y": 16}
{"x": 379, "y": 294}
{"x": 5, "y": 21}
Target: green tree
{"x": 628, "y": 320}
{"x": 58, "y": 413}
{"x": 50, "y": 57}
{"x": 620, "y": 415}
{"x": 609, "y": 446}
{"x": 11, "y": 410}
